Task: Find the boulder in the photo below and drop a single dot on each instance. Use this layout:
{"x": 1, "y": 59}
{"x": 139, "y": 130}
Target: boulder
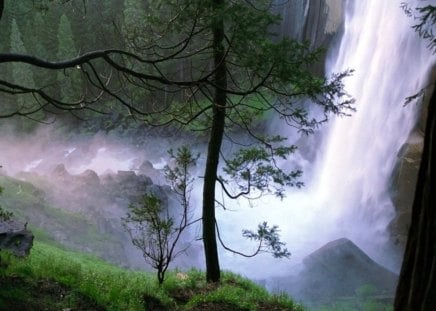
{"x": 89, "y": 178}
{"x": 126, "y": 176}
{"x": 147, "y": 169}
{"x": 129, "y": 185}
{"x": 60, "y": 175}
{"x": 15, "y": 238}
{"x": 337, "y": 270}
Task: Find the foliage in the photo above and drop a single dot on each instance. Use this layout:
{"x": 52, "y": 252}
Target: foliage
{"x": 69, "y": 80}
{"x": 151, "y": 227}
{"x": 21, "y": 73}
{"x": 113, "y": 287}
{"x": 269, "y": 240}
{"x": 256, "y": 168}
{"x": 116, "y": 289}
{"x": 243, "y": 295}
{"x": 135, "y": 16}
{"x": 426, "y": 17}
{"x": 4, "y": 215}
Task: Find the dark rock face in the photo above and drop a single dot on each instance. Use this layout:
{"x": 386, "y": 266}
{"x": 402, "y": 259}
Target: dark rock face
{"x": 403, "y": 189}
{"x": 16, "y": 238}
{"x": 337, "y": 270}
{"x": 323, "y": 20}
{"x": 314, "y": 20}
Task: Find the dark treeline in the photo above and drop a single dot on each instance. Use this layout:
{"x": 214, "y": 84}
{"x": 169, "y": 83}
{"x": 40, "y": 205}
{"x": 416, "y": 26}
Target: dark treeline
{"x": 57, "y": 30}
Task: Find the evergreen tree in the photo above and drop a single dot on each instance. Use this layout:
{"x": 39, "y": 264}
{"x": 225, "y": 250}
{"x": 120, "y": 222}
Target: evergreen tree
{"x": 45, "y": 42}
{"x": 249, "y": 72}
{"x": 23, "y": 75}
{"x": 43, "y": 46}
{"x": 70, "y": 80}
{"x": 134, "y": 19}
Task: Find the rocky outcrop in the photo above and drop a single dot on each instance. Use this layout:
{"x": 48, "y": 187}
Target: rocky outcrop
{"x": 344, "y": 267}
{"x": 323, "y": 21}
{"x": 338, "y": 269}
{"x": 313, "y": 20}
{"x": 403, "y": 188}
{"x": 147, "y": 169}
{"x": 15, "y": 238}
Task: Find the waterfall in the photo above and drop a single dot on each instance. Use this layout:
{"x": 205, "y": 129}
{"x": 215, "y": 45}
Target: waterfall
{"x": 347, "y": 183}
{"x": 360, "y": 153}
{"x": 348, "y": 195}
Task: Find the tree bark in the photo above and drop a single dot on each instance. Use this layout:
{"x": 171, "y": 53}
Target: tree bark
{"x": 214, "y": 147}
{"x": 416, "y": 290}
{"x": 2, "y": 6}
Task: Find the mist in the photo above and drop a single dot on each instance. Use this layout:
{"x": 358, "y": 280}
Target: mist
{"x": 347, "y": 164}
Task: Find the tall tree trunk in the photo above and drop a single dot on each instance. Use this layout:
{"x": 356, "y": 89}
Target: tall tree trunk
{"x": 214, "y": 147}
{"x": 2, "y": 6}
{"x": 416, "y": 289}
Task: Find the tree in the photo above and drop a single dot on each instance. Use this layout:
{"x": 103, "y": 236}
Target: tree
{"x": 134, "y": 14}
{"x": 238, "y": 74}
{"x": 22, "y": 73}
{"x": 152, "y": 228}
{"x": 70, "y": 81}
{"x": 416, "y": 288}
{"x": 45, "y": 45}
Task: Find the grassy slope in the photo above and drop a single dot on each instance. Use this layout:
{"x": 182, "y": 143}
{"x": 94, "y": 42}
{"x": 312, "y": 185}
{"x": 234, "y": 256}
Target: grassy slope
{"x": 53, "y": 278}
{"x": 59, "y": 279}
{"x": 54, "y": 225}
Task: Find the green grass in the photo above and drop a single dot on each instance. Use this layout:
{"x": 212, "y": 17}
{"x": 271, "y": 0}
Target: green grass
{"x": 244, "y": 295}
{"x": 115, "y": 288}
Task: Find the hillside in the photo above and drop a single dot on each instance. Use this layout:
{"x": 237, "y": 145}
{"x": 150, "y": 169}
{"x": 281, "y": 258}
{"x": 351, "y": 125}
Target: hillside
{"x": 55, "y": 279}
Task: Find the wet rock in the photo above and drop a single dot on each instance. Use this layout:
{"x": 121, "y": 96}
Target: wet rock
{"x": 15, "y": 238}
{"x": 147, "y": 169}
{"x": 324, "y": 18}
{"x": 146, "y": 166}
{"x": 129, "y": 185}
{"x": 313, "y": 20}
{"x": 107, "y": 179}
{"x": 125, "y": 176}
{"x": 61, "y": 173}
{"x": 403, "y": 188}
{"x": 89, "y": 178}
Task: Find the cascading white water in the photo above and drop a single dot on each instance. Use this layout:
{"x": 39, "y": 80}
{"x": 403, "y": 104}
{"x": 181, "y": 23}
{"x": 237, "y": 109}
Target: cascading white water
{"x": 391, "y": 63}
{"x": 348, "y": 196}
